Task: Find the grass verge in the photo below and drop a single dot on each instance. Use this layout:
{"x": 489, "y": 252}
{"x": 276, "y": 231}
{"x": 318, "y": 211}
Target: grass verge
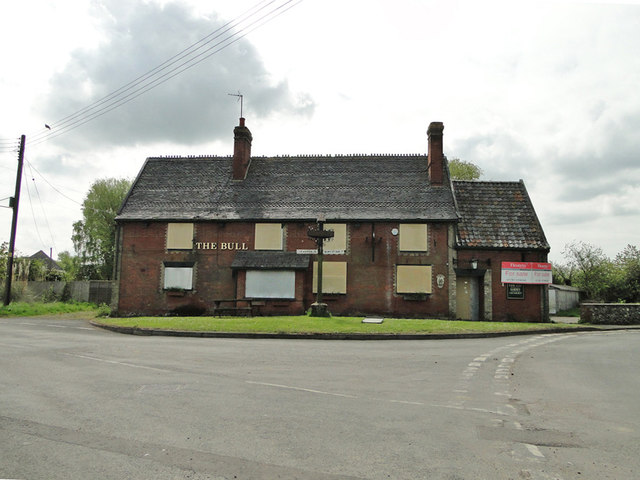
{"x": 573, "y": 312}
{"x": 305, "y": 324}
{"x": 25, "y": 309}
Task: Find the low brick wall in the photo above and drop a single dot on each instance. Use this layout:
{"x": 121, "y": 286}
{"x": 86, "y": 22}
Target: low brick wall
{"x": 610, "y": 313}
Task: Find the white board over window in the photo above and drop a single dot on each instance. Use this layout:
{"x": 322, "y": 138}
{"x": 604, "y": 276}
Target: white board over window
{"x": 178, "y": 277}
{"x": 270, "y": 284}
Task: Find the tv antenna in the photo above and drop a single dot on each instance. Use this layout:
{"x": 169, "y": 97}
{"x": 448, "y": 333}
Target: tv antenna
{"x": 240, "y": 99}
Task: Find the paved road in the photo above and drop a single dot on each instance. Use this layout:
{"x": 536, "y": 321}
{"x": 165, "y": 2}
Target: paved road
{"x": 77, "y": 402}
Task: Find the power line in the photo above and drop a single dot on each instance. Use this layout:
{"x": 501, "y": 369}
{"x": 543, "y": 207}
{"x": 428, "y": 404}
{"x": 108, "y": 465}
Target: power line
{"x": 170, "y": 68}
{"x": 44, "y": 213}
{"x": 33, "y": 214}
{"x": 9, "y": 145}
{"x": 118, "y": 102}
{"x": 31, "y": 166}
{"x": 180, "y": 55}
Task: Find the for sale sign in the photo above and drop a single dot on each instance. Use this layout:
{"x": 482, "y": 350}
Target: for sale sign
{"x": 532, "y": 273}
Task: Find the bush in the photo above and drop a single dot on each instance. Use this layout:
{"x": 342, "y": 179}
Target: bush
{"x": 66, "y": 293}
{"x": 104, "y": 310}
{"x": 49, "y": 296}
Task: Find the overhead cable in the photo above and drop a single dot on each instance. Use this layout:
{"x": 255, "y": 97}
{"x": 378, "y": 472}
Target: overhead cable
{"x": 171, "y": 68}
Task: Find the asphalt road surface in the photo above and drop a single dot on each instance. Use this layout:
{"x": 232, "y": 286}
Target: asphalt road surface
{"x": 77, "y": 402}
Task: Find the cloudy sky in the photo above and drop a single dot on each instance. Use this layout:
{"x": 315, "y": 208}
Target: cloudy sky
{"x": 544, "y": 91}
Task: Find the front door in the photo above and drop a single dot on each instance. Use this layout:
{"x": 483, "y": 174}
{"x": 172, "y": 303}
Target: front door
{"x": 468, "y": 298}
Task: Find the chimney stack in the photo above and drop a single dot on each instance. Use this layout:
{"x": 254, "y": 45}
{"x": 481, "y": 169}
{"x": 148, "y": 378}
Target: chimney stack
{"x": 241, "y": 151}
{"x": 435, "y": 155}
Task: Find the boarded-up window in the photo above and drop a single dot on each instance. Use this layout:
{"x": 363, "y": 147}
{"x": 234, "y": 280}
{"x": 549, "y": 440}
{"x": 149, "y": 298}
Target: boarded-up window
{"x": 413, "y": 279}
{"x": 334, "y": 277}
{"x": 180, "y": 236}
{"x": 178, "y": 277}
{"x": 339, "y": 241}
{"x": 270, "y": 284}
{"x": 268, "y": 236}
{"x": 413, "y": 237}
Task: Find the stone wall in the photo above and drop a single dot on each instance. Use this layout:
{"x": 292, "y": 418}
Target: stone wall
{"x": 610, "y": 313}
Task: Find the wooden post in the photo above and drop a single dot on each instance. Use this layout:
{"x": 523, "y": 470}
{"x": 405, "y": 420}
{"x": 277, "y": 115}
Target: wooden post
{"x": 15, "y": 201}
{"x": 319, "y": 309}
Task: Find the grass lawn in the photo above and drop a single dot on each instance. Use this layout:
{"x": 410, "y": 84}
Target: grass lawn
{"x": 305, "y": 324}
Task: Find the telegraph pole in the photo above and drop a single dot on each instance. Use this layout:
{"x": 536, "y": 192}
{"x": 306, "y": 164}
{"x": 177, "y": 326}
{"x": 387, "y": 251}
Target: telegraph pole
{"x": 13, "y": 203}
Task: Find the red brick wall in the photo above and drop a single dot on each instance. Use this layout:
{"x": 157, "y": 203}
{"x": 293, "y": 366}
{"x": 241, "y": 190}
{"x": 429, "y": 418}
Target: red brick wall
{"x": 529, "y": 309}
{"x": 370, "y": 270}
{"x": 371, "y": 273}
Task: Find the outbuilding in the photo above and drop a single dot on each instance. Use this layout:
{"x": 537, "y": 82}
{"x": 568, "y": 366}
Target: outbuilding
{"x": 232, "y": 234}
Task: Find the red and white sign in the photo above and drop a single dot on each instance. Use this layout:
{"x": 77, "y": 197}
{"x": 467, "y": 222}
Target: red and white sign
{"x": 533, "y": 273}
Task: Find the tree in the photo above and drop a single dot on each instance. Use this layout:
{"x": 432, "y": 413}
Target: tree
{"x": 70, "y": 265}
{"x": 592, "y": 270}
{"x": 627, "y": 262}
{"x": 562, "y": 274}
{"x": 461, "y": 170}
{"x": 4, "y": 258}
{"x": 94, "y": 235}
{"x": 37, "y": 270}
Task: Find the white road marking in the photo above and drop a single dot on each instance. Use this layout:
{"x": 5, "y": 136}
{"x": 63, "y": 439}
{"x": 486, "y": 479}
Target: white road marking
{"x": 534, "y": 450}
{"x": 54, "y": 326}
{"x": 113, "y": 362}
{"x": 470, "y": 409}
{"x": 309, "y": 390}
{"x": 12, "y": 346}
{"x": 406, "y": 402}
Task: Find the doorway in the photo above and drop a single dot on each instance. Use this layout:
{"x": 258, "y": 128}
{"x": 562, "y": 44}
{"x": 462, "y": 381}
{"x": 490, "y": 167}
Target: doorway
{"x": 468, "y": 298}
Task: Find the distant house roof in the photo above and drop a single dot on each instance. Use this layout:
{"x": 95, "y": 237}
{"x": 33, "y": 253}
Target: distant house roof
{"x": 497, "y": 215}
{"x": 49, "y": 262}
{"x": 370, "y": 187}
{"x": 565, "y": 288}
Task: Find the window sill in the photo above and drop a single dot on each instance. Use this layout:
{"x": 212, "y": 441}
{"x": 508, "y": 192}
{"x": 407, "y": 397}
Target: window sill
{"x": 421, "y": 297}
{"x": 175, "y": 293}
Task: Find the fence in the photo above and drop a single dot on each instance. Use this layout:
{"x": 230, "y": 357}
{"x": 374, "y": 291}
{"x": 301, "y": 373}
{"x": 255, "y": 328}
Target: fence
{"x": 93, "y": 291}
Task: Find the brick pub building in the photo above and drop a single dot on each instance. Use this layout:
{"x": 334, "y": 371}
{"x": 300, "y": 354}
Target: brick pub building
{"x": 214, "y": 234}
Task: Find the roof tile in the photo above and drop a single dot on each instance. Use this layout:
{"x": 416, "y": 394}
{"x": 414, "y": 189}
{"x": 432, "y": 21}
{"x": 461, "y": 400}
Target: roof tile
{"x": 288, "y": 188}
{"x": 497, "y": 215}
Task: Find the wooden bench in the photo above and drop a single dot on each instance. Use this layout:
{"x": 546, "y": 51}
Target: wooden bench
{"x": 230, "y": 307}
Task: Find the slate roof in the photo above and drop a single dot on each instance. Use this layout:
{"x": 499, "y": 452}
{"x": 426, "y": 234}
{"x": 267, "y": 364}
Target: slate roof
{"x": 381, "y": 187}
{"x": 48, "y": 261}
{"x": 497, "y": 215}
